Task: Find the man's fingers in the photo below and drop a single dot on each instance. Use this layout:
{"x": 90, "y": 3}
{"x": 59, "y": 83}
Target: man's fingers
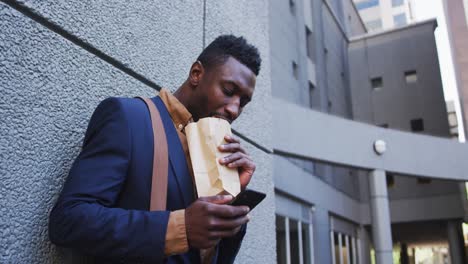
{"x": 217, "y": 199}
{"x": 238, "y": 160}
{"x": 220, "y": 224}
{"x": 224, "y": 233}
{"x": 244, "y": 179}
{"x": 231, "y": 147}
{"x": 233, "y": 157}
{"x": 231, "y": 139}
{"x": 244, "y": 163}
{"x": 227, "y": 211}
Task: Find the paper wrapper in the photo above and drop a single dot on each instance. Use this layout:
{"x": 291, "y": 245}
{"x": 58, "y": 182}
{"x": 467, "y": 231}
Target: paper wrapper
{"x": 211, "y": 178}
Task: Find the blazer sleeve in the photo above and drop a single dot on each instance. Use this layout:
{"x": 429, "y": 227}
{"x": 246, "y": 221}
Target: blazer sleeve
{"x": 229, "y": 247}
{"x": 85, "y": 217}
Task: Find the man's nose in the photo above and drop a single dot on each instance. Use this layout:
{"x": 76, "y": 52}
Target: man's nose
{"x": 233, "y": 109}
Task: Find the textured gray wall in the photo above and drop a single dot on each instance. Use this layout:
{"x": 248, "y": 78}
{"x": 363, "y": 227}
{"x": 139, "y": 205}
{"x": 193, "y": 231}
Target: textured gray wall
{"x": 50, "y": 87}
{"x": 287, "y": 35}
{"x": 397, "y": 102}
{"x": 354, "y": 25}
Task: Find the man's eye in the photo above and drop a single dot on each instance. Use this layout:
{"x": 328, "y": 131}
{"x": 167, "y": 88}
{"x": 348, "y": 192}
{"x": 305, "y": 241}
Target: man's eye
{"x": 228, "y": 91}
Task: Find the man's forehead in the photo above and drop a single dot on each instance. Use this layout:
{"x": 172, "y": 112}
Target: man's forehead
{"x": 234, "y": 71}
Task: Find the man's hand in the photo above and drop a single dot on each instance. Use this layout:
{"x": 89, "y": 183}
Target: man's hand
{"x": 209, "y": 219}
{"x": 238, "y": 159}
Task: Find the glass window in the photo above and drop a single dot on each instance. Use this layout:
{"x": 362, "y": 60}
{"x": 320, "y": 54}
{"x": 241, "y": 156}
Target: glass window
{"x": 306, "y": 244}
{"x": 344, "y": 248}
{"x": 336, "y": 247}
{"x": 280, "y": 239}
{"x": 417, "y": 125}
{"x": 351, "y": 250}
{"x": 374, "y": 24}
{"x": 310, "y": 44}
{"x": 424, "y": 180}
{"x": 465, "y": 3}
{"x": 411, "y": 76}
{"x": 295, "y": 70}
{"x": 399, "y": 20}
{"x": 396, "y": 3}
{"x": 292, "y": 6}
{"x": 293, "y": 241}
{"x": 377, "y": 83}
{"x": 312, "y": 95}
{"x": 366, "y": 4}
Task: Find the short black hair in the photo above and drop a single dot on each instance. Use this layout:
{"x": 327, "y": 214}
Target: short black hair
{"x": 229, "y": 45}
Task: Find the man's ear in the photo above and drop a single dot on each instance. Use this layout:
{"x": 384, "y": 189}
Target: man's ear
{"x": 196, "y": 73}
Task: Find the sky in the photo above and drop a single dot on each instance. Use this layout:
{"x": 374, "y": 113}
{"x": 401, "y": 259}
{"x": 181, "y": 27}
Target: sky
{"x": 426, "y": 9}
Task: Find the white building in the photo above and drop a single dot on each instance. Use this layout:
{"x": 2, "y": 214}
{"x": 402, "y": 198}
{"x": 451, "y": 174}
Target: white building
{"x": 385, "y": 14}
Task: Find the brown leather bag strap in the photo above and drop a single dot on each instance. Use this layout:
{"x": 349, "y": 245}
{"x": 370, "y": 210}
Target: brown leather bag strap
{"x": 160, "y": 159}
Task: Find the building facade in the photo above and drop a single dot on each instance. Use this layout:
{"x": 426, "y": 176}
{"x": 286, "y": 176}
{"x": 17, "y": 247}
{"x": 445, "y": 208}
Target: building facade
{"x": 456, "y": 13}
{"x": 385, "y": 14}
{"x": 388, "y": 78}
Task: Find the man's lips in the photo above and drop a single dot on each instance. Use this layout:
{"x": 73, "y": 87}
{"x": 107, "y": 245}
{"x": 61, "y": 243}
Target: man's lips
{"x": 222, "y": 117}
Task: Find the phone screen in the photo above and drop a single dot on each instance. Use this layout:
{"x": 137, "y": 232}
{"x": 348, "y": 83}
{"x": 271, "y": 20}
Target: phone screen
{"x": 248, "y": 198}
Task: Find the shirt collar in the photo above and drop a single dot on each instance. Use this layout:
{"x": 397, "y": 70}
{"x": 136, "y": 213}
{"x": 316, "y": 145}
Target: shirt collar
{"x": 179, "y": 114}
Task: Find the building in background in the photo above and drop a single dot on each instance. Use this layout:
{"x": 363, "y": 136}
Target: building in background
{"x": 323, "y": 58}
{"x": 452, "y": 119}
{"x": 456, "y": 13}
{"x": 385, "y": 14}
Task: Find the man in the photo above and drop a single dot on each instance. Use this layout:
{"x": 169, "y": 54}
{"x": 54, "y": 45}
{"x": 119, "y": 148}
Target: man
{"x": 103, "y": 208}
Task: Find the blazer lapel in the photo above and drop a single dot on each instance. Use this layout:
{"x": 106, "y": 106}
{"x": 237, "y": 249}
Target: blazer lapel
{"x": 177, "y": 158}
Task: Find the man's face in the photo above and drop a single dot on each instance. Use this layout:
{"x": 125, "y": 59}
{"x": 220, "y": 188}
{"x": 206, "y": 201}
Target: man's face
{"x": 224, "y": 90}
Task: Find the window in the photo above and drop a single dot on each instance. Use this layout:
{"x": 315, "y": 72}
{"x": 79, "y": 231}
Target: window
{"x": 390, "y": 180}
{"x": 295, "y": 70}
{"x": 281, "y": 246}
{"x": 311, "y": 94}
{"x": 293, "y": 241}
{"x": 465, "y": 3}
{"x": 424, "y": 180}
{"x": 396, "y": 3}
{"x": 399, "y": 20}
{"x": 411, "y": 77}
{"x": 310, "y": 43}
{"x": 366, "y": 4}
{"x": 344, "y": 248}
{"x": 417, "y": 125}
{"x": 292, "y": 6}
{"x": 374, "y": 24}
{"x": 377, "y": 83}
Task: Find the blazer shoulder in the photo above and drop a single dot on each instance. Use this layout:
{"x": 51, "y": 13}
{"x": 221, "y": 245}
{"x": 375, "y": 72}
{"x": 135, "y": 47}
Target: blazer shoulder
{"x": 128, "y": 107}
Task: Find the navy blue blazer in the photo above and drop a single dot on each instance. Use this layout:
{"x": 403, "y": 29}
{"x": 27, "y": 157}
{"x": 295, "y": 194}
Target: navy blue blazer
{"x": 103, "y": 209}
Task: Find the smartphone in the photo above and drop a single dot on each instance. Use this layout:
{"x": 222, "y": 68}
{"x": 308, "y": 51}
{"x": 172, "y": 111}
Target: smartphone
{"x": 248, "y": 198}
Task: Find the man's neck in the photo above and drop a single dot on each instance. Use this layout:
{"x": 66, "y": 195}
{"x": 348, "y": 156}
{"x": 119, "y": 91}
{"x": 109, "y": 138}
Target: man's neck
{"x": 182, "y": 94}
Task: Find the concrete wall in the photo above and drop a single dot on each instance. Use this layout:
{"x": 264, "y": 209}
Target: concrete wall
{"x": 50, "y": 86}
{"x": 456, "y": 13}
{"x": 287, "y": 38}
{"x": 331, "y": 189}
{"x": 397, "y": 102}
{"x": 354, "y": 23}
{"x": 385, "y": 11}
